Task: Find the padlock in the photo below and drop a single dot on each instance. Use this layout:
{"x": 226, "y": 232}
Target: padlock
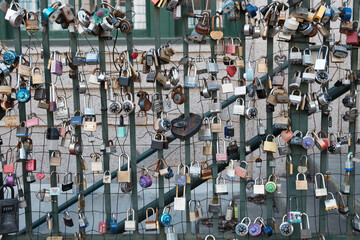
{"x": 295, "y": 56}
{"x": 270, "y": 146}
{"x": 262, "y": 67}
{"x": 295, "y": 99}
{"x": 345, "y": 186}
{"x": 308, "y": 75}
{"x": 17, "y": 18}
{"x": 62, "y": 111}
{"x": 308, "y": 140}
{"x": 285, "y": 227}
{"x": 251, "y": 112}
{"x": 130, "y": 224}
{"x": 320, "y": 192}
{"x": 92, "y": 57}
{"x": 180, "y": 202}
{"x": 128, "y": 104}
{"x": 260, "y": 90}
{"x": 339, "y": 51}
{"x": 195, "y": 169}
{"x": 150, "y": 225}
{"x": 83, "y": 222}
{"x": 355, "y": 222}
{"x": 124, "y": 176}
{"x": 259, "y": 188}
{"x": 191, "y": 80}
{"x": 68, "y": 220}
{"x": 320, "y": 62}
{"x": 349, "y": 164}
{"x": 330, "y": 204}
{"x": 75, "y": 147}
{"x": 206, "y": 172}
{"x": 56, "y": 64}
{"x": 30, "y": 178}
{"x": 241, "y": 171}
{"x": 242, "y": 228}
{"x": 220, "y": 47}
{"x": 307, "y": 58}
{"x": 293, "y": 216}
{"x": 295, "y": 81}
{"x": 96, "y": 164}
{"x": 226, "y": 86}
{"x": 271, "y": 186}
{"x": 216, "y": 127}
{"x": 305, "y": 233}
{"x": 165, "y": 218}
{"x": 229, "y": 130}
{"x": 301, "y": 184}
{"x": 239, "y": 107}
{"x": 79, "y": 59}
{"x": 157, "y": 103}
{"x": 54, "y": 191}
{"x": 214, "y": 207}
{"x": 221, "y": 157}
{"x": 255, "y": 229}
{"x": 283, "y": 149}
{"x": 193, "y": 212}
{"x": 343, "y": 208}
{"x": 67, "y": 182}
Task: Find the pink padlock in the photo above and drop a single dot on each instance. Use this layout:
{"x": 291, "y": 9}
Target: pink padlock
{"x": 240, "y": 171}
{"x": 33, "y": 120}
{"x": 30, "y": 165}
{"x": 62, "y": 130}
{"x": 102, "y": 227}
{"x": 230, "y": 48}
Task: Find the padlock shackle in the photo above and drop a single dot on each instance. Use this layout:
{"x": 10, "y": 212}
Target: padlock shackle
{"x": 322, "y": 179}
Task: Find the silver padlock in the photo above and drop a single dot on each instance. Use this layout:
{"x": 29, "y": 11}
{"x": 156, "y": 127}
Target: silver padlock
{"x": 320, "y": 62}
{"x": 345, "y": 187}
{"x": 295, "y": 81}
{"x": 307, "y": 58}
{"x": 239, "y": 107}
{"x": 320, "y": 192}
{"x": 229, "y": 212}
{"x": 305, "y": 233}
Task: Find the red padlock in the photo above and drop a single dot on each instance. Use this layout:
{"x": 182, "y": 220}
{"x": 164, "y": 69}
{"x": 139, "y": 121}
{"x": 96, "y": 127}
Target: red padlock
{"x": 353, "y": 38}
{"x": 230, "y": 47}
{"x": 30, "y": 165}
{"x": 325, "y": 139}
{"x": 32, "y": 121}
{"x": 102, "y": 227}
{"x": 287, "y": 135}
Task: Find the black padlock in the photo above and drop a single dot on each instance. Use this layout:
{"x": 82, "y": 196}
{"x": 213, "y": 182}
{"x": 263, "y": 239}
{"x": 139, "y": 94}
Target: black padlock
{"x": 124, "y": 79}
{"x": 229, "y": 130}
{"x": 232, "y": 149}
{"x": 52, "y": 133}
{"x": 68, "y": 220}
{"x": 10, "y": 213}
{"x": 158, "y": 141}
{"x": 40, "y": 94}
{"x": 270, "y": 108}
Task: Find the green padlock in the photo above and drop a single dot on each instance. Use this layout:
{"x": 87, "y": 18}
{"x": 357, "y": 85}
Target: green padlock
{"x": 236, "y": 211}
{"x": 270, "y": 186}
{"x": 121, "y": 131}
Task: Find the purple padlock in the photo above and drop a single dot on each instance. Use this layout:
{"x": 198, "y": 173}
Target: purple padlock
{"x": 56, "y": 64}
{"x": 10, "y": 180}
{"x": 255, "y": 228}
{"x": 145, "y": 180}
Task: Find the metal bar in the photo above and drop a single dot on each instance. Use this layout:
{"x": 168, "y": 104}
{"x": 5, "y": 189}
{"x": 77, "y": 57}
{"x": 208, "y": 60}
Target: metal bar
{"x": 76, "y": 101}
{"x": 105, "y": 128}
{"x": 185, "y": 22}
{"x": 352, "y": 129}
{"x": 50, "y": 118}
{"x": 269, "y": 123}
{"x": 132, "y": 125}
{"x": 242, "y": 126}
{"x": 324, "y": 154}
{"x": 22, "y": 117}
{"x": 157, "y": 24}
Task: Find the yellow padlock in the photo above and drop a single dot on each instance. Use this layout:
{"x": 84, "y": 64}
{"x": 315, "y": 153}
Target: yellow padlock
{"x": 319, "y": 14}
{"x": 270, "y": 146}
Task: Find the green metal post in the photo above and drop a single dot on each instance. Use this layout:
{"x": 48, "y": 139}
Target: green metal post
{"x": 50, "y": 117}
{"x": 324, "y": 154}
{"x": 76, "y": 100}
{"x": 214, "y": 167}
{"x": 269, "y": 123}
{"x": 132, "y": 126}
{"x": 157, "y": 24}
{"x": 299, "y": 121}
{"x": 352, "y": 128}
{"x": 22, "y": 117}
{"x": 105, "y": 127}
{"x": 185, "y": 23}
{"x": 242, "y": 127}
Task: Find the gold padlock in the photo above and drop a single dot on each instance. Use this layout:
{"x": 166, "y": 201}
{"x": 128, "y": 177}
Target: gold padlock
{"x": 319, "y": 13}
{"x": 270, "y": 146}
{"x": 262, "y": 67}
{"x": 301, "y": 184}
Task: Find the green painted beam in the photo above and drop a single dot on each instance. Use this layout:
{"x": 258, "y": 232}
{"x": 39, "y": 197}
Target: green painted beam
{"x": 132, "y": 125}
{"x": 269, "y": 123}
{"x": 105, "y": 128}
{"x": 22, "y": 117}
{"x": 352, "y": 129}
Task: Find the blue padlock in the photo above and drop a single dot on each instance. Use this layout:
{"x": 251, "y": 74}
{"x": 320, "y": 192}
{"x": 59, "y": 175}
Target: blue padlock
{"x": 23, "y": 95}
{"x": 48, "y": 11}
{"x": 165, "y": 218}
{"x": 121, "y": 130}
{"x": 76, "y": 120}
{"x": 10, "y": 57}
{"x": 251, "y": 10}
{"x": 228, "y": 6}
{"x": 327, "y": 15}
{"x": 349, "y": 164}
{"x": 346, "y": 14}
{"x": 229, "y": 130}
{"x": 113, "y": 224}
{"x": 170, "y": 173}
{"x": 266, "y": 229}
